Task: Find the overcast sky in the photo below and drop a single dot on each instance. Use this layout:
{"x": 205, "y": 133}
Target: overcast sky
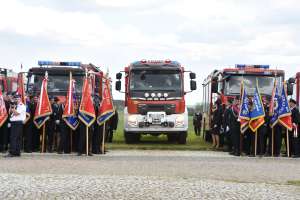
{"x": 202, "y": 35}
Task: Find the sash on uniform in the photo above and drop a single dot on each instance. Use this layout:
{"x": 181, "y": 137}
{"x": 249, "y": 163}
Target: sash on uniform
{"x": 69, "y": 115}
{"x": 3, "y": 111}
{"x": 86, "y": 110}
{"x": 43, "y": 109}
{"x": 106, "y": 109}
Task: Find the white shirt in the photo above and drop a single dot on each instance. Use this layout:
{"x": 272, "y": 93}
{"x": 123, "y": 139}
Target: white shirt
{"x": 21, "y": 109}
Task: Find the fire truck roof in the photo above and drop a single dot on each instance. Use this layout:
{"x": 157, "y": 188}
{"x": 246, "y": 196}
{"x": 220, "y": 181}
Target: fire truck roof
{"x": 156, "y": 64}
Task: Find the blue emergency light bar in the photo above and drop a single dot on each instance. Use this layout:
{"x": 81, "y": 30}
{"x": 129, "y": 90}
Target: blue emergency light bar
{"x": 242, "y": 66}
{"x": 52, "y": 63}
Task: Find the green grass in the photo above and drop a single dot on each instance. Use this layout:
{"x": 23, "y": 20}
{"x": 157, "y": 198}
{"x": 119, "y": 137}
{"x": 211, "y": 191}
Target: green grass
{"x": 149, "y": 142}
{"x": 296, "y": 183}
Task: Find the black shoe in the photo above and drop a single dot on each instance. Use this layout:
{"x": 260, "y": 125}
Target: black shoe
{"x": 295, "y": 156}
{"x": 59, "y": 152}
{"x": 237, "y": 154}
{"x": 90, "y": 154}
{"x": 79, "y": 154}
{"x": 251, "y": 155}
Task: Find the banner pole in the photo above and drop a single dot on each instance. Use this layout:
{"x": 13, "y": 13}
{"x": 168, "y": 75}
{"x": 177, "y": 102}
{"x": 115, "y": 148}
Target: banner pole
{"x": 103, "y": 139}
{"x": 272, "y": 141}
{"x": 71, "y": 140}
{"x": 255, "y": 143}
{"x": 43, "y": 139}
{"x": 287, "y": 143}
{"x": 87, "y": 140}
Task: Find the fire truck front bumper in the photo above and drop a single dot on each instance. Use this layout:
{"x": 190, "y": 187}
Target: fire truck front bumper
{"x": 155, "y": 122}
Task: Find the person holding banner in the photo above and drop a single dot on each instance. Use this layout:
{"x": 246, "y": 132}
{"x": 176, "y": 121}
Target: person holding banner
{"x": 87, "y": 116}
{"x": 295, "y": 131}
{"x": 17, "y": 113}
{"x": 234, "y": 126}
{"x": 4, "y": 106}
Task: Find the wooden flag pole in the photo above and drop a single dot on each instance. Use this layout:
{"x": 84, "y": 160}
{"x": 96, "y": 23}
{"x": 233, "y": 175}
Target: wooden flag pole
{"x": 272, "y": 141}
{"x": 255, "y": 143}
{"x": 87, "y": 140}
{"x": 43, "y": 139}
{"x": 71, "y": 140}
{"x": 287, "y": 143}
{"x": 103, "y": 139}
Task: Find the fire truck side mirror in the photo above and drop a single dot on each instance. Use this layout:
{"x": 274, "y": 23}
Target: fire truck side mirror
{"x": 289, "y": 89}
{"x": 214, "y": 85}
{"x": 119, "y": 76}
{"x": 193, "y": 85}
{"x": 118, "y": 85}
{"x": 192, "y": 75}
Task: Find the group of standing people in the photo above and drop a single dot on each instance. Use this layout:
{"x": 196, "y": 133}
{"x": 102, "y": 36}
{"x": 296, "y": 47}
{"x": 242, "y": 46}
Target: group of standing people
{"x": 20, "y": 133}
{"x": 226, "y": 130}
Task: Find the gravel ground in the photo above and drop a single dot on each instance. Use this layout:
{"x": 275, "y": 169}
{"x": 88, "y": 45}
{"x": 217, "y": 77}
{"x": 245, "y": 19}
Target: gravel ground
{"x": 148, "y": 175}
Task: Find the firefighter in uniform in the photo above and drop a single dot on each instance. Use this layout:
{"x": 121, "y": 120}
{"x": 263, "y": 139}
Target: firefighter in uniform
{"x": 53, "y": 123}
{"x": 4, "y": 129}
{"x": 234, "y": 126}
{"x": 197, "y": 119}
{"x": 29, "y": 128}
{"x": 226, "y": 125}
{"x": 295, "y": 131}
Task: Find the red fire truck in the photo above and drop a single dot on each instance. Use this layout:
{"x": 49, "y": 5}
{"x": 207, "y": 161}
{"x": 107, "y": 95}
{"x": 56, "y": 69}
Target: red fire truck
{"x": 58, "y": 78}
{"x": 154, "y": 100}
{"x": 294, "y": 87}
{"x": 8, "y": 80}
{"x": 226, "y": 84}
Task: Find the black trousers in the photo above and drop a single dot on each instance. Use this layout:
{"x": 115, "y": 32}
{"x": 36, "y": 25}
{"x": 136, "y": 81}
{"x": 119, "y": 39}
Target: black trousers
{"x": 65, "y": 138}
{"x": 51, "y": 129}
{"x": 236, "y": 134}
{"x": 4, "y": 136}
{"x": 197, "y": 129}
{"x": 15, "y": 138}
{"x": 28, "y": 136}
{"x": 296, "y": 145}
{"x": 82, "y": 139}
{"x": 97, "y": 140}
{"x": 228, "y": 142}
{"x": 260, "y": 141}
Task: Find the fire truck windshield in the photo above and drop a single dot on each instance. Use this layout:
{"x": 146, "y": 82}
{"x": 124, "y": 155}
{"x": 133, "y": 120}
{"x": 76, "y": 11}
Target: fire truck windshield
{"x": 233, "y": 84}
{"x": 155, "y": 80}
{"x": 58, "y": 83}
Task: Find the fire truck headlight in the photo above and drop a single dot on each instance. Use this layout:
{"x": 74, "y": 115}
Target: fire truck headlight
{"x": 166, "y": 95}
{"x": 179, "y": 122}
{"x": 147, "y": 95}
{"x": 152, "y": 95}
{"x": 159, "y": 95}
{"x": 132, "y": 120}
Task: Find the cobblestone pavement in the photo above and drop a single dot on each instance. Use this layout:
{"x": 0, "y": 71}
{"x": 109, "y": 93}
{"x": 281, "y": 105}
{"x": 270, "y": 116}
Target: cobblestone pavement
{"x": 148, "y": 175}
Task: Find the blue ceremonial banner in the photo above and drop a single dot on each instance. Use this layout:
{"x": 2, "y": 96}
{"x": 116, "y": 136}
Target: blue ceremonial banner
{"x": 257, "y": 113}
{"x": 274, "y": 109}
{"x": 284, "y": 112}
{"x": 244, "y": 115}
{"x": 27, "y": 112}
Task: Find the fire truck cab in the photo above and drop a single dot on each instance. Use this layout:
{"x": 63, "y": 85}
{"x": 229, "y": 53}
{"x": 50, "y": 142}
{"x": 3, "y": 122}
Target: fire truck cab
{"x": 154, "y": 100}
{"x": 226, "y": 84}
{"x": 8, "y": 80}
{"x": 58, "y": 78}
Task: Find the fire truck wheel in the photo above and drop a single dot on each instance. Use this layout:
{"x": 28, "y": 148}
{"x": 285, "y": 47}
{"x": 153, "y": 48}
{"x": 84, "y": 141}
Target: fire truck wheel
{"x": 182, "y": 137}
{"x": 172, "y": 137}
{"x": 131, "y": 138}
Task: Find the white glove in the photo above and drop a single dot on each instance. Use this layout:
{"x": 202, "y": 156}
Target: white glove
{"x": 57, "y": 122}
{"x": 227, "y": 128}
{"x": 8, "y": 125}
{"x": 215, "y": 125}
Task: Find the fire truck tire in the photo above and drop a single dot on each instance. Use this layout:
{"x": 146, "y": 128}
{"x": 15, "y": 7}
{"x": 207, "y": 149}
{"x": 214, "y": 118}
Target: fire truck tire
{"x": 172, "y": 137}
{"x": 131, "y": 138}
{"x": 182, "y": 137}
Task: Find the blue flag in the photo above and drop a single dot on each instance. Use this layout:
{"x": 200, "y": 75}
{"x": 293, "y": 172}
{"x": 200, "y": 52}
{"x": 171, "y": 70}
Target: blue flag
{"x": 274, "y": 108}
{"x": 284, "y": 112}
{"x": 257, "y": 113}
{"x": 244, "y": 115}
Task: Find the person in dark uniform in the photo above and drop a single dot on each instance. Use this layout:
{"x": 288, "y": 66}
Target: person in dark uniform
{"x": 4, "y": 129}
{"x": 82, "y": 139}
{"x": 113, "y": 125}
{"x": 35, "y": 131}
{"x": 295, "y": 132}
{"x": 64, "y": 131}
{"x": 96, "y": 138}
{"x": 28, "y": 127}
{"x": 217, "y": 123}
{"x": 234, "y": 126}
{"x": 197, "y": 119}
{"x": 226, "y": 125}
{"x": 53, "y": 123}
{"x": 17, "y": 113}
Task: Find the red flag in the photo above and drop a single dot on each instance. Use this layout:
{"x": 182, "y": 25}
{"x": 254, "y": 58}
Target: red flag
{"x": 43, "y": 109}
{"x": 106, "y": 109}
{"x": 21, "y": 89}
{"x": 3, "y": 111}
{"x": 86, "y": 110}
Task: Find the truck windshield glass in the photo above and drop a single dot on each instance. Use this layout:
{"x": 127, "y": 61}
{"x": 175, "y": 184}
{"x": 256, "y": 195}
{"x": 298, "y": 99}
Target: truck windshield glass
{"x": 58, "y": 83}
{"x": 265, "y": 84}
{"x": 155, "y": 80}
